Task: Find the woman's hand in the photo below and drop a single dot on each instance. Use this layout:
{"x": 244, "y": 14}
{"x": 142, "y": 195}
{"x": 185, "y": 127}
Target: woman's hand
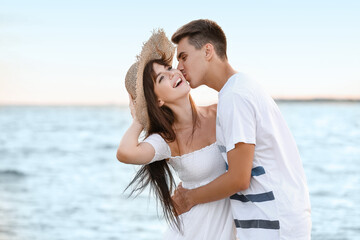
{"x": 133, "y": 111}
{"x": 132, "y": 107}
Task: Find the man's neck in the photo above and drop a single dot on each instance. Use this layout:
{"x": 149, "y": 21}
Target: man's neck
{"x": 219, "y": 73}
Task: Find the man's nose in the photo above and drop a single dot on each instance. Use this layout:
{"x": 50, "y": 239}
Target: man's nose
{"x": 180, "y": 66}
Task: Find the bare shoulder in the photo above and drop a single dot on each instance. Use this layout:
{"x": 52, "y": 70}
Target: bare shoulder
{"x": 213, "y": 108}
{"x": 208, "y": 112}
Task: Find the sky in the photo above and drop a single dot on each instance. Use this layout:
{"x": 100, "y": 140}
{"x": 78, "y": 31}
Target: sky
{"x": 78, "y": 52}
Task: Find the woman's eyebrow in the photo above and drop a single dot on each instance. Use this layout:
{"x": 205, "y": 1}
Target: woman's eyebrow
{"x": 158, "y": 74}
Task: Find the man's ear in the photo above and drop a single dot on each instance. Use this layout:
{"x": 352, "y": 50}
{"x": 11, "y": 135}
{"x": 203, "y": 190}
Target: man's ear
{"x": 209, "y": 51}
{"x": 161, "y": 103}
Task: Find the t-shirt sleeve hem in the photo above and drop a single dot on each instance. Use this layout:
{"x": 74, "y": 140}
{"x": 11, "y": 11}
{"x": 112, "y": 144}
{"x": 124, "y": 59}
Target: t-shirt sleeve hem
{"x": 231, "y": 146}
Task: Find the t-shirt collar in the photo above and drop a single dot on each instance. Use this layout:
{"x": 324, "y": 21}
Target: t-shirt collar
{"x": 226, "y": 85}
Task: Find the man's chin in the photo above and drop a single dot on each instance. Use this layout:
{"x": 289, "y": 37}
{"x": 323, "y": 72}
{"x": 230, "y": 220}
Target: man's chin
{"x": 192, "y": 85}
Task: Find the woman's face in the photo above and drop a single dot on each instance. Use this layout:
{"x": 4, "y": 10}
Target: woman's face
{"x": 170, "y": 85}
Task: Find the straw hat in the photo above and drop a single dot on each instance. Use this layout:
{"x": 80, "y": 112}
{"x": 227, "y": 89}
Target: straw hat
{"x": 158, "y": 43}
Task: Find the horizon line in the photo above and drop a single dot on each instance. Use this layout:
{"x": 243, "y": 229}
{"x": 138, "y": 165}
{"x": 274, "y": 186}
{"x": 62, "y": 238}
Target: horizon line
{"x": 280, "y": 99}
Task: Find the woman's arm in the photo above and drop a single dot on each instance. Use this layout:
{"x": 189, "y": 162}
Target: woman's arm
{"x": 130, "y": 151}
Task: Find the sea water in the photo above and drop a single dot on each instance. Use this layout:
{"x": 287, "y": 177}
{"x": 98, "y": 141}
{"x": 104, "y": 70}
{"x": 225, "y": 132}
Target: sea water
{"x": 60, "y": 180}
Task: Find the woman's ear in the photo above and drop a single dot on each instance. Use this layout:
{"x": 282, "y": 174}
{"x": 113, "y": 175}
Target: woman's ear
{"x": 160, "y": 103}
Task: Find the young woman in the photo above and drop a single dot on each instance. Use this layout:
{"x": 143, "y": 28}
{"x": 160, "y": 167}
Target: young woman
{"x": 178, "y": 133}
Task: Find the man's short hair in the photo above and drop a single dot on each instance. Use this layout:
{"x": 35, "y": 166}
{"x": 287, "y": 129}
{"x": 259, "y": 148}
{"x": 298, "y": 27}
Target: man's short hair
{"x": 201, "y": 32}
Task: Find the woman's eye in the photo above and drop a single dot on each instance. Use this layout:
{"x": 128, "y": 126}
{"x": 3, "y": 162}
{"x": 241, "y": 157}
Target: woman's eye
{"x": 169, "y": 68}
{"x": 161, "y": 78}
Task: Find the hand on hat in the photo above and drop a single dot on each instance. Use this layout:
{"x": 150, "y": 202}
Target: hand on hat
{"x": 132, "y": 109}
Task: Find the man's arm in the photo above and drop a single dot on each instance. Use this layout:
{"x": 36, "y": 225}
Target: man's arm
{"x": 237, "y": 178}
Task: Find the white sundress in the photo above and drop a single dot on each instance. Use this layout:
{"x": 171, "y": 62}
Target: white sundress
{"x": 208, "y": 221}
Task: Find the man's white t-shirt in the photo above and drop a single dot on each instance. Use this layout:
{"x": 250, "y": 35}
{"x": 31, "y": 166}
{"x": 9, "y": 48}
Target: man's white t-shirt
{"x": 276, "y": 205}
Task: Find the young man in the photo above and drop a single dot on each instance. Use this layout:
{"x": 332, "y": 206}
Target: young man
{"x": 265, "y": 179}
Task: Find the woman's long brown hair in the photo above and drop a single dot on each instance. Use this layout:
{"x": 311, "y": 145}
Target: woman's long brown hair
{"x": 158, "y": 173}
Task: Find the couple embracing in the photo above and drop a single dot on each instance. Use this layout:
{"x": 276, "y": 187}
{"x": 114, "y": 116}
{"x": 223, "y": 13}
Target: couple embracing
{"x": 241, "y": 173}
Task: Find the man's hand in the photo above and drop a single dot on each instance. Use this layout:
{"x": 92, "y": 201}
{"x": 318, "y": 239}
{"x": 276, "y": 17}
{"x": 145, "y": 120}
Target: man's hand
{"x": 182, "y": 200}
{"x": 236, "y": 179}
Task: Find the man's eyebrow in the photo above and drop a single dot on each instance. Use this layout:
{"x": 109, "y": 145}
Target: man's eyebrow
{"x": 180, "y": 54}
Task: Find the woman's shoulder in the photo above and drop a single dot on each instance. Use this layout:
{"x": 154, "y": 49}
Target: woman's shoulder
{"x": 208, "y": 113}
{"x": 161, "y": 147}
{"x": 155, "y": 139}
{"x": 209, "y": 110}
